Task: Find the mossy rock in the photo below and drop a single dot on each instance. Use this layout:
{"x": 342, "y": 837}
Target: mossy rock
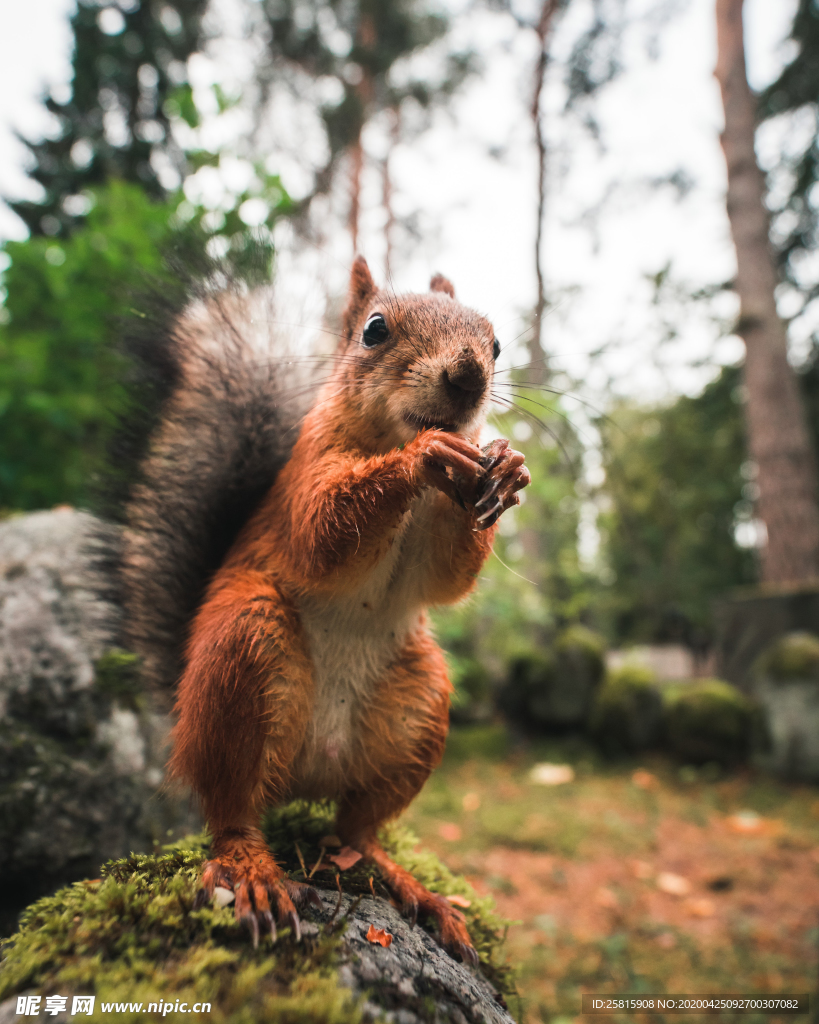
{"x": 710, "y": 720}
{"x": 554, "y": 690}
{"x": 628, "y": 711}
{"x": 793, "y": 657}
{"x": 133, "y": 936}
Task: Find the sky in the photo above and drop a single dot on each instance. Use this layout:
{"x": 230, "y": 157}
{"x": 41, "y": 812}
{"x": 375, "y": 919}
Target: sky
{"x": 661, "y": 117}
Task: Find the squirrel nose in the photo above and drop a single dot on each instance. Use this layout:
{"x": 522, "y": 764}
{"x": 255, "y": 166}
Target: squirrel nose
{"x": 465, "y": 378}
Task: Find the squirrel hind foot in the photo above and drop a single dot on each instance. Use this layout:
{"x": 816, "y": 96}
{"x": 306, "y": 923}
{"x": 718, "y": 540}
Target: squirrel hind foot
{"x": 244, "y": 865}
{"x": 413, "y": 897}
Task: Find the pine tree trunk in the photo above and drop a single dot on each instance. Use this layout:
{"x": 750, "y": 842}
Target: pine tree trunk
{"x": 778, "y": 438}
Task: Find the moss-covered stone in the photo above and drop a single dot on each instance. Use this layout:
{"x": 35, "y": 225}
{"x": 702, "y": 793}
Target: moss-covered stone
{"x": 794, "y": 656}
{"x": 628, "y": 711}
{"x": 555, "y": 689}
{"x": 133, "y": 936}
{"x": 710, "y": 720}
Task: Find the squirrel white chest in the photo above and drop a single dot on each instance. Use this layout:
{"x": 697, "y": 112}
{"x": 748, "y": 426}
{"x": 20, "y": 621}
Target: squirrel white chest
{"x": 351, "y": 642}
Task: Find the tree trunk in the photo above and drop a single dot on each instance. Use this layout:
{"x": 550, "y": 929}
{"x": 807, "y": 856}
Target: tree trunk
{"x": 778, "y": 438}
{"x": 539, "y": 367}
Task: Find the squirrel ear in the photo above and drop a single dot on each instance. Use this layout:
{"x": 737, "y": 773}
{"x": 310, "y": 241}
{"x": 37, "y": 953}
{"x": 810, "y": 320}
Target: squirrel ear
{"x": 439, "y": 283}
{"x": 362, "y": 288}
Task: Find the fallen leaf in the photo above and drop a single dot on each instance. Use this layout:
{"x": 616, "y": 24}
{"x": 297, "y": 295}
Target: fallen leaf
{"x": 546, "y": 774}
{"x": 642, "y": 869}
{"x": 645, "y": 780}
{"x": 606, "y": 898}
{"x": 471, "y": 801}
{"x": 345, "y": 858}
{"x": 460, "y": 901}
{"x": 330, "y": 841}
{"x": 378, "y": 935}
{"x": 701, "y": 907}
{"x": 449, "y": 831}
{"x": 747, "y": 822}
{"x": 676, "y": 885}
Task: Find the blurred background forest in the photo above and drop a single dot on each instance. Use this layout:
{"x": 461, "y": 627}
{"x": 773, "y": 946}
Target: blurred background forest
{"x": 560, "y": 161}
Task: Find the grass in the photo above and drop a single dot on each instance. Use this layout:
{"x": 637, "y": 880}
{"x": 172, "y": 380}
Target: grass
{"x": 580, "y": 869}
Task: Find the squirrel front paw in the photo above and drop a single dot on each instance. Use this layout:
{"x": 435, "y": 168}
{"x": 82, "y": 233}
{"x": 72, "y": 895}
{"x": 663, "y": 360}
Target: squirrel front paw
{"x": 440, "y": 458}
{"x": 504, "y": 475}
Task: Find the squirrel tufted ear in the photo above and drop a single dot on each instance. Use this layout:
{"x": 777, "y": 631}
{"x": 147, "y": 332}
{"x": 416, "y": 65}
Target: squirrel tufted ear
{"x": 439, "y": 283}
{"x": 361, "y": 290}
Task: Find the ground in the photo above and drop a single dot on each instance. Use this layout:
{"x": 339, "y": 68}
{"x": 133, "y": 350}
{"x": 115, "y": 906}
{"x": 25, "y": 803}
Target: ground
{"x": 641, "y": 876}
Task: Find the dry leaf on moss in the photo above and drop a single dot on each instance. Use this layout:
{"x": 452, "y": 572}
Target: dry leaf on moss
{"x": 345, "y": 858}
{"x": 379, "y": 936}
{"x": 460, "y": 901}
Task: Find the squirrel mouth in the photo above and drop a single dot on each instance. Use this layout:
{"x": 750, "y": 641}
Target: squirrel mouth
{"x": 428, "y": 423}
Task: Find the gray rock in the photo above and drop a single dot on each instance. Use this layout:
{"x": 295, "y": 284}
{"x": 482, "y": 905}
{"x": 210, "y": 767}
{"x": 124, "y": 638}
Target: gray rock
{"x": 81, "y": 751}
{"x": 411, "y": 975}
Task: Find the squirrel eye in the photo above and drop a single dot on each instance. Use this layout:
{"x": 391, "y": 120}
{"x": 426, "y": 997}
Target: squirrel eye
{"x": 375, "y": 331}
{"x": 495, "y": 348}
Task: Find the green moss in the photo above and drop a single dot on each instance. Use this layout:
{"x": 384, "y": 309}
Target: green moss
{"x": 793, "y": 656}
{"x": 116, "y": 675}
{"x": 710, "y": 720}
{"x": 580, "y": 640}
{"x": 133, "y": 936}
{"x": 554, "y": 690}
{"x": 628, "y": 711}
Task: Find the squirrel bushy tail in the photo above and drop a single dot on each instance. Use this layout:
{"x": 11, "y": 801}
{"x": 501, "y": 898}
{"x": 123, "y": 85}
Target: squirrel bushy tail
{"x": 225, "y": 428}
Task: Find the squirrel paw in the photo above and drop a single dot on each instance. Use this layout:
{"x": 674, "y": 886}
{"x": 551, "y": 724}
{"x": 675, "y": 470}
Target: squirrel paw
{"x": 414, "y": 897}
{"x": 448, "y": 462}
{"x": 505, "y": 474}
{"x": 244, "y": 865}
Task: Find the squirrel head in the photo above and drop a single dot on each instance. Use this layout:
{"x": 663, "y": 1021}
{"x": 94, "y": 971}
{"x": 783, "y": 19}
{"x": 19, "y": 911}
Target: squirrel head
{"x": 411, "y": 362}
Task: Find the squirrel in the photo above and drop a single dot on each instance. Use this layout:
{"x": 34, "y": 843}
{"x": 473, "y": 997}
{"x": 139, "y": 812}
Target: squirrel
{"x": 281, "y": 567}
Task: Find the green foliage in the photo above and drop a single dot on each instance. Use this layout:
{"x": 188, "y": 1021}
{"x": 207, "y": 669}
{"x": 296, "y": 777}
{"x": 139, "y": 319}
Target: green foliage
{"x": 675, "y": 491}
{"x": 60, "y": 373}
{"x": 710, "y": 720}
{"x": 793, "y": 656}
{"x": 122, "y": 74}
{"x": 368, "y": 36}
{"x": 628, "y": 711}
{"x": 62, "y": 377}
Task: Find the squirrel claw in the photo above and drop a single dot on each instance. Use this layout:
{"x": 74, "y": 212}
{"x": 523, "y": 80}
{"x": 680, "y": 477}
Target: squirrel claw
{"x": 466, "y": 953}
{"x": 250, "y": 922}
{"x": 201, "y": 899}
{"x": 295, "y": 926}
{"x": 269, "y": 925}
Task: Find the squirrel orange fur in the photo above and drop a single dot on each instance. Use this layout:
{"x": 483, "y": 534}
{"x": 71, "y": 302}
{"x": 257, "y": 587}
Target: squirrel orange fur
{"x": 309, "y": 670}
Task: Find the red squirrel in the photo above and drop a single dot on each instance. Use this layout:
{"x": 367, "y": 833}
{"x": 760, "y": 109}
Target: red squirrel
{"x": 309, "y": 668}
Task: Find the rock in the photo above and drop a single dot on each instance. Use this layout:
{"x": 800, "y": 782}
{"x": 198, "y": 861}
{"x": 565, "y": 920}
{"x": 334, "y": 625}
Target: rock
{"x": 628, "y": 711}
{"x": 81, "y": 752}
{"x": 413, "y": 971}
{"x": 554, "y": 690}
{"x": 711, "y": 721}
{"x": 786, "y": 684}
